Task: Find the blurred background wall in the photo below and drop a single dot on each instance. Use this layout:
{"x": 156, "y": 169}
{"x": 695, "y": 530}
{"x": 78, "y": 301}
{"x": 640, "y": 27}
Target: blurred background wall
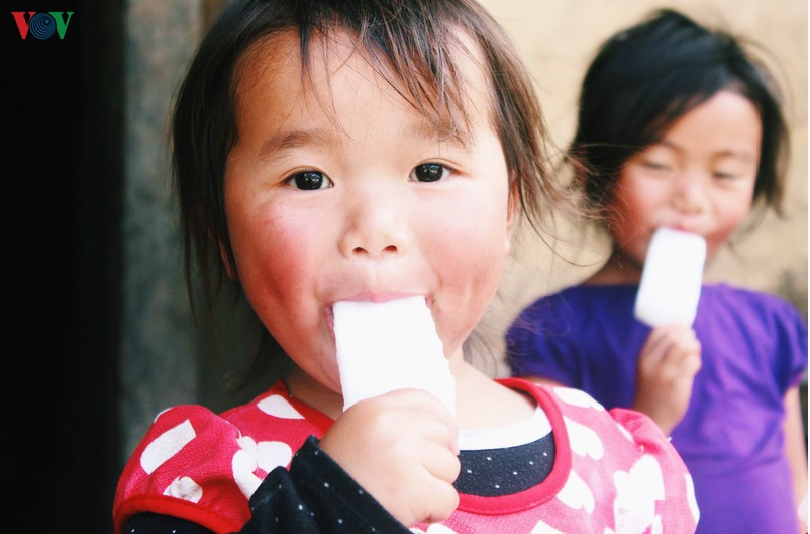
{"x": 100, "y": 324}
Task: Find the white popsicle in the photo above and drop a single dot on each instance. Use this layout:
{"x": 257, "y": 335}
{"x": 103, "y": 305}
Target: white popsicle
{"x": 669, "y": 290}
{"x": 390, "y": 345}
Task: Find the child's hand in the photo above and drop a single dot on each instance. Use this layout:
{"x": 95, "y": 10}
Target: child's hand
{"x": 665, "y": 372}
{"x": 402, "y": 447}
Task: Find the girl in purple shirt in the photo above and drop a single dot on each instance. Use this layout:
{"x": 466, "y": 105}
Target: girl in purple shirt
{"x": 680, "y": 127}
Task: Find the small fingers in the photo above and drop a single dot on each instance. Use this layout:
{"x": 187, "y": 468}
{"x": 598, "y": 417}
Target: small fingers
{"x": 444, "y": 500}
{"x": 440, "y": 462}
{"x": 666, "y": 342}
{"x": 691, "y": 364}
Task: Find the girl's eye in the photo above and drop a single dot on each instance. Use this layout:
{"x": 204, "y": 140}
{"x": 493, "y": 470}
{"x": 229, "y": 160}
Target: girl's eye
{"x": 730, "y": 175}
{"x": 654, "y": 165}
{"x": 429, "y": 172}
{"x": 309, "y": 181}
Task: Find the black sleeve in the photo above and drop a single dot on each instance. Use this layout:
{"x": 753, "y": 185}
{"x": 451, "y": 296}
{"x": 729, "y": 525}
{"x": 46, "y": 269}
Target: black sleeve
{"x": 150, "y": 523}
{"x": 315, "y": 496}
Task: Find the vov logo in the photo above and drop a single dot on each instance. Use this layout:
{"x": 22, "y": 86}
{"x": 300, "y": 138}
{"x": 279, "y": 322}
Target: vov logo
{"x": 42, "y": 25}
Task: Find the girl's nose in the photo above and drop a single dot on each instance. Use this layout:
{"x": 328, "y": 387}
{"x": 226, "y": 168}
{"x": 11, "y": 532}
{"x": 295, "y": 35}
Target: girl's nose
{"x": 375, "y": 227}
{"x": 691, "y": 194}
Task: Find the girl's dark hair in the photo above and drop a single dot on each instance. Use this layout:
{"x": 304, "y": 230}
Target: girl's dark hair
{"x": 645, "y": 77}
{"x": 412, "y": 44}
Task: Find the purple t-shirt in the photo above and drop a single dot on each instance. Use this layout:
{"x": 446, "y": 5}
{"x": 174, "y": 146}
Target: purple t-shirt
{"x": 754, "y": 348}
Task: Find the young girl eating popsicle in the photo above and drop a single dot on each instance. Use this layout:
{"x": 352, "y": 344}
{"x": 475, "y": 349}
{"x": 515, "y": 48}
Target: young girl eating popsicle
{"x": 357, "y": 169}
{"x": 680, "y": 134}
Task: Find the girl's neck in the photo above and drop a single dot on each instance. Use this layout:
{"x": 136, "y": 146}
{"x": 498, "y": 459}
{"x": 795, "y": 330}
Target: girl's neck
{"x": 619, "y": 269}
{"x": 309, "y": 391}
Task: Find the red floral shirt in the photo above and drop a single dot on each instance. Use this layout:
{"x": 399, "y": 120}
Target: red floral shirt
{"x": 613, "y": 472}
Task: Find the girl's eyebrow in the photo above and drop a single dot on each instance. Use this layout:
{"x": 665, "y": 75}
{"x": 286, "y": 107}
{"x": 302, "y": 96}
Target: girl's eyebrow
{"x": 292, "y": 139}
{"x": 740, "y": 154}
{"x": 438, "y": 134}
{"x": 287, "y": 140}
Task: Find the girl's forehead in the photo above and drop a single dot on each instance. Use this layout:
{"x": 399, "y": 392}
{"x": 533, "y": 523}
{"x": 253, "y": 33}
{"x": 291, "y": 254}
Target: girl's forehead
{"x": 276, "y": 66}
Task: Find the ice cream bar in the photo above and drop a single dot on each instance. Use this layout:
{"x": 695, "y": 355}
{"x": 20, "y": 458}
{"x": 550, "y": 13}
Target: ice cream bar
{"x": 669, "y": 289}
{"x": 390, "y": 345}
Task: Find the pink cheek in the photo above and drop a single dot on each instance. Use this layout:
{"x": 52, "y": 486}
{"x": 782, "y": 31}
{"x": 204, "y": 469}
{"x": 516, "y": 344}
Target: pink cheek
{"x": 267, "y": 254}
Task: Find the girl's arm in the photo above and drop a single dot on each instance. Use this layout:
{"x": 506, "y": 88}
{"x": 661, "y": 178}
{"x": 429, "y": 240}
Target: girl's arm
{"x": 389, "y": 460}
{"x": 794, "y": 447}
{"x": 315, "y": 495}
